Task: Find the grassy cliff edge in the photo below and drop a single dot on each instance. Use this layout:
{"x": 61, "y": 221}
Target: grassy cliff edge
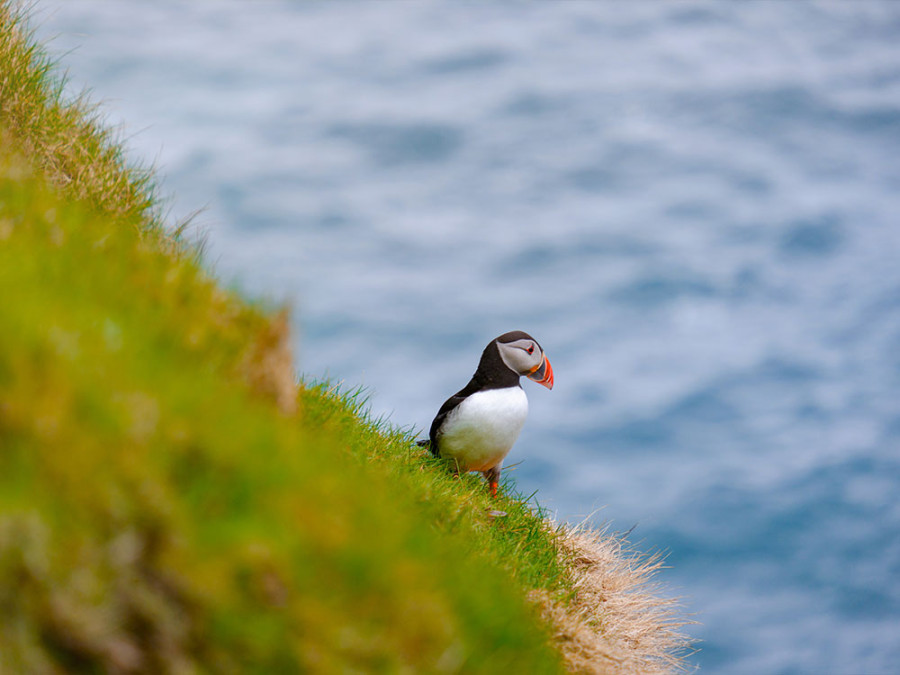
{"x": 172, "y": 501}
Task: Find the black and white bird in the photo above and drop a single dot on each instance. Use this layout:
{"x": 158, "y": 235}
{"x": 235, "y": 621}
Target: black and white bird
{"x": 477, "y": 426}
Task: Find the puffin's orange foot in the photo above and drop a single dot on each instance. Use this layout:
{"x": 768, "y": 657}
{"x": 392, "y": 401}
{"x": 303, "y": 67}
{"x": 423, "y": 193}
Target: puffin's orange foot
{"x": 493, "y": 478}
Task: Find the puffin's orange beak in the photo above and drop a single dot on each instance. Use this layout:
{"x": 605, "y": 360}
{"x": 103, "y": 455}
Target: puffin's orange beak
{"x": 543, "y": 374}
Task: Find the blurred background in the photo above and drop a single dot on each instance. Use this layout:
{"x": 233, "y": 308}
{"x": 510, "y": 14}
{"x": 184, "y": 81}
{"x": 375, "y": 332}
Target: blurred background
{"x": 692, "y": 206}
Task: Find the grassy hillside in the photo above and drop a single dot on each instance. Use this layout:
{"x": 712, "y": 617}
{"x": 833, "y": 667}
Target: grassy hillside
{"x": 172, "y": 501}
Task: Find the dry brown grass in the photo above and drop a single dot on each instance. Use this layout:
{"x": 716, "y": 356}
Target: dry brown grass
{"x": 616, "y": 623}
{"x": 269, "y": 363}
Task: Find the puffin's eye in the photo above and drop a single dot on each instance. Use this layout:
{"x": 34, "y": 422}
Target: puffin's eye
{"x": 530, "y": 349}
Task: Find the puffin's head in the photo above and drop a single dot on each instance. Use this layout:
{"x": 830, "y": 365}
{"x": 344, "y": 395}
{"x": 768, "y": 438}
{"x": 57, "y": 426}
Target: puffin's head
{"x": 523, "y": 355}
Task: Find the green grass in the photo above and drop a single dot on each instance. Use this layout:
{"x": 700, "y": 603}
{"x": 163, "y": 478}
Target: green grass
{"x": 165, "y": 505}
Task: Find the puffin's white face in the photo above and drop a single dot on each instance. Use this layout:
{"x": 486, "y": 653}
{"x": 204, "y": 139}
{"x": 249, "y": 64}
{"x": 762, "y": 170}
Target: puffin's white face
{"x": 525, "y": 357}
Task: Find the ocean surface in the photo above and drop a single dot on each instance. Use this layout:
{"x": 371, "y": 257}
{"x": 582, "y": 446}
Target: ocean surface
{"x": 694, "y": 207}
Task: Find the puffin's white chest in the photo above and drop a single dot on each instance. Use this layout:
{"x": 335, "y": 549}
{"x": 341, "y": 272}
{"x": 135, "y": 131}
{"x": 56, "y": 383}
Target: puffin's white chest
{"x": 479, "y": 433}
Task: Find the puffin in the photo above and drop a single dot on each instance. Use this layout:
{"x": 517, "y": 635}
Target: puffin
{"x": 477, "y": 426}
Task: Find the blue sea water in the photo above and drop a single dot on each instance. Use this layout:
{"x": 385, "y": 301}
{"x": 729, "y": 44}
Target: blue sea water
{"x": 694, "y": 207}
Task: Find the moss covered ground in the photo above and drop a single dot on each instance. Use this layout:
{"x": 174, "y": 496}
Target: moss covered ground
{"x": 171, "y": 500}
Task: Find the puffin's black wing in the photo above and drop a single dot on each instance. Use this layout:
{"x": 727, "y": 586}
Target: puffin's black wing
{"x": 445, "y": 410}
{"x": 448, "y": 407}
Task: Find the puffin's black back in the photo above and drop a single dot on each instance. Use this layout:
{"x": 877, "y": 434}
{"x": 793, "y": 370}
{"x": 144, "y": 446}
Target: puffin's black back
{"x": 492, "y": 373}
